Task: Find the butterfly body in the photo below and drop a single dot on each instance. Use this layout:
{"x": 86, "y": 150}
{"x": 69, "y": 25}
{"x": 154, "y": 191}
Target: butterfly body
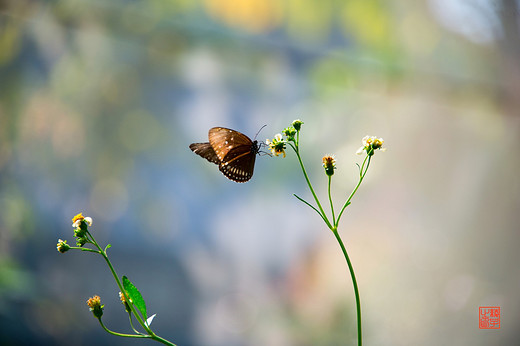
{"x": 232, "y": 151}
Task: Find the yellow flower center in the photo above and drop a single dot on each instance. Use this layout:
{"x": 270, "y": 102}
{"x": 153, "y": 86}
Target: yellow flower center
{"x": 78, "y": 217}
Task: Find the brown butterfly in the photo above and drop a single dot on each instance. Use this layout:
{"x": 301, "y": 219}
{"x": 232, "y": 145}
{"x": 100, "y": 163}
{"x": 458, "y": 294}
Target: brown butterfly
{"x": 232, "y": 151}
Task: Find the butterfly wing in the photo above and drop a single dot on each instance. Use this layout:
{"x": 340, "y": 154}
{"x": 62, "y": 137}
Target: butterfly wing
{"x": 223, "y": 140}
{"x": 231, "y": 150}
{"x": 239, "y": 163}
{"x": 206, "y": 151}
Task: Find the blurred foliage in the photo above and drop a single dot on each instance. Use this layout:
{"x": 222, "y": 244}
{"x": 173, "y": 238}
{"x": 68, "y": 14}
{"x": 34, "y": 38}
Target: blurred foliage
{"x": 99, "y": 100}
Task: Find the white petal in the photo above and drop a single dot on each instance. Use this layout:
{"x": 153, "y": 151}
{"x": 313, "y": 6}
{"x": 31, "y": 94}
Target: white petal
{"x": 150, "y": 319}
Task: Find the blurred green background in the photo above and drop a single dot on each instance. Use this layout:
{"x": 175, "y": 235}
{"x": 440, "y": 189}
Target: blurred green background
{"x": 99, "y": 101}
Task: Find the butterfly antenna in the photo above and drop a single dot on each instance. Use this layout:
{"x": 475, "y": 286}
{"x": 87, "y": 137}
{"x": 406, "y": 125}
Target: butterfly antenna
{"x": 259, "y": 131}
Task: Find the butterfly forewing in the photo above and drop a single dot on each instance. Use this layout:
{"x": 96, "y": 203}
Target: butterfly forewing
{"x": 206, "y": 151}
{"x": 223, "y": 140}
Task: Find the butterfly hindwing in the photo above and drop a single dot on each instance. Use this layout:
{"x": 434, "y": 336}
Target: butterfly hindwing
{"x": 239, "y": 163}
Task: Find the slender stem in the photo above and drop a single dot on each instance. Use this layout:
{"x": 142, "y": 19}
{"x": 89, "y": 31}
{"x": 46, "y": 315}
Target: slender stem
{"x": 334, "y": 226}
{"x": 122, "y": 334}
{"x": 331, "y": 205}
{"x": 132, "y": 323}
{"x": 362, "y": 172}
{"x": 131, "y": 305}
{"x": 161, "y": 340}
{"x": 83, "y": 249}
{"x": 151, "y": 334}
{"x": 153, "y": 337}
{"x": 324, "y": 216}
{"x": 354, "y": 282}
{"x": 310, "y": 205}
{"x": 120, "y": 285}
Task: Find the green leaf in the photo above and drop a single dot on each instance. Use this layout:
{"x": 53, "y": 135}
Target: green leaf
{"x": 135, "y": 296}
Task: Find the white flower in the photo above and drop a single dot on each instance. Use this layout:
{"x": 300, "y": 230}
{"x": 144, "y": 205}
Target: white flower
{"x": 371, "y": 143}
{"x": 76, "y": 220}
{"x": 277, "y": 146}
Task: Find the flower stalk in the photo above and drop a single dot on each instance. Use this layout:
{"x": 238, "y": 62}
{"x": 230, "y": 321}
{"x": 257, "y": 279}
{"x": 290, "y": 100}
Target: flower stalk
{"x": 130, "y": 297}
{"x": 370, "y": 145}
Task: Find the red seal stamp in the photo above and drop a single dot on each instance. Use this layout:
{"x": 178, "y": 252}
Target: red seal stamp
{"x": 489, "y": 317}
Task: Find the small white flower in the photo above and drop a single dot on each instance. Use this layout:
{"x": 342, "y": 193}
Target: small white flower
{"x": 277, "y": 146}
{"x": 371, "y": 143}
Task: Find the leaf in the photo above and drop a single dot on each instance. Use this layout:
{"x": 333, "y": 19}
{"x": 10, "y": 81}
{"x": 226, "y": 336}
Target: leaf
{"x": 135, "y": 296}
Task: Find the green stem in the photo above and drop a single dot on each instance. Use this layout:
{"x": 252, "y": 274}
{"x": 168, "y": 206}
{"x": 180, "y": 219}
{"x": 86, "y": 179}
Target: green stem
{"x": 331, "y": 205}
{"x": 132, "y": 324}
{"x": 161, "y": 340}
{"x": 120, "y": 285}
{"x": 324, "y": 216}
{"x": 122, "y": 334}
{"x": 362, "y": 172}
{"x": 334, "y": 227}
{"x": 310, "y": 205}
{"x": 152, "y": 336}
{"x": 83, "y": 249}
{"x": 354, "y": 282}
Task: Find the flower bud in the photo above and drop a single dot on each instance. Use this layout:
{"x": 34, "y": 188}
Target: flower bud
{"x": 297, "y": 124}
{"x": 95, "y": 306}
{"x": 329, "y": 163}
{"x": 124, "y": 302}
{"x": 62, "y": 246}
{"x": 289, "y": 132}
{"x": 79, "y": 232}
{"x": 80, "y": 241}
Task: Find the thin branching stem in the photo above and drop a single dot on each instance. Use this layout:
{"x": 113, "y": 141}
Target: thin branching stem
{"x": 122, "y": 334}
{"x": 120, "y": 285}
{"x": 151, "y": 334}
{"x": 354, "y": 283}
{"x": 310, "y": 205}
{"x": 362, "y": 172}
{"x": 294, "y": 144}
{"x": 297, "y": 151}
{"x": 331, "y": 205}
